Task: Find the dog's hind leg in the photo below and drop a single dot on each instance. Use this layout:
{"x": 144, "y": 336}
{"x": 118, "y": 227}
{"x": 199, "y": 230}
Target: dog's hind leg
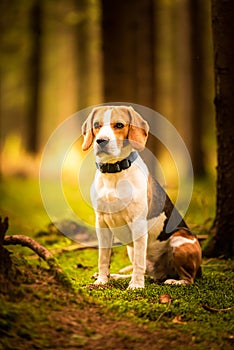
{"x": 117, "y": 276}
{"x": 186, "y": 256}
{"x": 128, "y": 268}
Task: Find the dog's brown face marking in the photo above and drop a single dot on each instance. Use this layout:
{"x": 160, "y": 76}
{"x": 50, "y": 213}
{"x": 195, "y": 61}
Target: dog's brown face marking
{"x": 117, "y": 119}
{"x": 118, "y": 124}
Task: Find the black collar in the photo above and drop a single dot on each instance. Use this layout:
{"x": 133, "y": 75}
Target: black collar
{"x": 118, "y": 166}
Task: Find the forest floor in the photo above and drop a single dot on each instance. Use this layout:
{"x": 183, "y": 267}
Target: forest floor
{"x": 37, "y": 311}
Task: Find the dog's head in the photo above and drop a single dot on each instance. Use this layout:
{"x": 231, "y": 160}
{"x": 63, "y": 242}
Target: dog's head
{"x": 111, "y": 128}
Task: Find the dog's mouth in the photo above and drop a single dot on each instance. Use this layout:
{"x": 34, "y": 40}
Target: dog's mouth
{"x": 102, "y": 151}
{"x": 109, "y": 148}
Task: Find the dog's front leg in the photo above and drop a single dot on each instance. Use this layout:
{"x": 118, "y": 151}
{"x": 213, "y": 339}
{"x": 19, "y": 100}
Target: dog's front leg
{"x": 139, "y": 259}
{"x": 105, "y": 238}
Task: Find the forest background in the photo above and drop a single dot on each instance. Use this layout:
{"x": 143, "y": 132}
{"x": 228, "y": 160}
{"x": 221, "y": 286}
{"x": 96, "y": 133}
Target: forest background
{"x": 60, "y": 57}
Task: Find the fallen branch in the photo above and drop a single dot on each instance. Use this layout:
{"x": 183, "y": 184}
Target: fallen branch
{"x": 73, "y": 247}
{"x": 164, "y": 299}
{"x": 26, "y": 241}
{"x": 202, "y": 237}
{"x": 208, "y": 308}
{"x": 42, "y": 252}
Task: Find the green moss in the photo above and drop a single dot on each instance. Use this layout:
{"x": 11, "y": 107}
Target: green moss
{"x": 37, "y": 301}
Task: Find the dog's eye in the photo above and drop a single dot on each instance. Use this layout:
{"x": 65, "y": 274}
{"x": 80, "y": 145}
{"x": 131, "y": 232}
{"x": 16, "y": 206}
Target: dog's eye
{"x": 96, "y": 125}
{"x": 119, "y": 126}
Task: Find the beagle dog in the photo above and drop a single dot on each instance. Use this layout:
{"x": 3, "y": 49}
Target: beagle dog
{"x": 131, "y": 205}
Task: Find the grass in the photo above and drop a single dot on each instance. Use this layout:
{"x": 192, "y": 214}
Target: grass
{"x": 214, "y": 290}
{"x": 37, "y": 312}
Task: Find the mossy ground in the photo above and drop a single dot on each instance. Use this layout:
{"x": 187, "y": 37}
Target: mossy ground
{"x": 38, "y": 312}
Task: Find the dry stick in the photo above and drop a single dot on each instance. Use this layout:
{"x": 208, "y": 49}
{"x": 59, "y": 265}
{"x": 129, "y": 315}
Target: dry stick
{"x": 41, "y": 251}
{"x": 208, "y": 308}
{"x": 26, "y": 241}
{"x": 74, "y": 247}
{"x": 164, "y": 312}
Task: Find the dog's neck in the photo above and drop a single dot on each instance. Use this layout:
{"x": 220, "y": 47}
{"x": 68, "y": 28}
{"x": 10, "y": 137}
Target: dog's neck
{"x": 110, "y": 164}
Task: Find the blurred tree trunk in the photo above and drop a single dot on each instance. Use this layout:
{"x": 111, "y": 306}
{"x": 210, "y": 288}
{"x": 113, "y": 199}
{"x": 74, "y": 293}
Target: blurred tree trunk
{"x": 128, "y": 53}
{"x": 223, "y": 34}
{"x": 198, "y": 83}
{"x": 88, "y": 52}
{"x": 164, "y": 58}
{"x": 34, "y": 65}
{"x": 83, "y": 53}
{"x": 188, "y": 75}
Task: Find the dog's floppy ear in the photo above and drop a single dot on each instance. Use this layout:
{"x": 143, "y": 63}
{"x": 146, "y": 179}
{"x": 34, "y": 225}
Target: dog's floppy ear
{"x": 138, "y": 130}
{"x": 87, "y": 131}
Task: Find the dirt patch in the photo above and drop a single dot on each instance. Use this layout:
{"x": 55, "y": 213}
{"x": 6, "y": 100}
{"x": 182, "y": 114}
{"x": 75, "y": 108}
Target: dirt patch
{"x": 91, "y": 329}
{"x": 38, "y": 313}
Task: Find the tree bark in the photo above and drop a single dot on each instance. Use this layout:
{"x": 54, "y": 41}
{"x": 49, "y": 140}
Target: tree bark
{"x": 88, "y": 56}
{"x": 223, "y": 34}
{"x": 128, "y": 51}
{"x": 5, "y": 259}
{"x": 34, "y": 76}
{"x": 128, "y": 55}
{"x": 198, "y": 83}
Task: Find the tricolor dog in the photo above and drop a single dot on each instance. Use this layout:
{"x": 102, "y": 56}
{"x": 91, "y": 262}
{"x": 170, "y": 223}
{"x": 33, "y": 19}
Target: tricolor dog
{"x": 131, "y": 205}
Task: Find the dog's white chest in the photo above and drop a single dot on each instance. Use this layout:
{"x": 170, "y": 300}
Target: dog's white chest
{"x": 111, "y": 195}
{"x": 120, "y": 197}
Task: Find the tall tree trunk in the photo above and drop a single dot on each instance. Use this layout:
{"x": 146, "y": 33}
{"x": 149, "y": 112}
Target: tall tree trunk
{"x": 198, "y": 83}
{"x": 34, "y": 65}
{"x": 88, "y": 57}
{"x": 128, "y": 53}
{"x": 223, "y": 34}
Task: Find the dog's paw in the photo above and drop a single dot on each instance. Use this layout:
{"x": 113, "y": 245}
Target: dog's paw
{"x": 137, "y": 282}
{"x": 95, "y": 275}
{"x": 177, "y": 282}
{"x": 117, "y": 276}
{"x": 136, "y": 286}
{"x": 99, "y": 281}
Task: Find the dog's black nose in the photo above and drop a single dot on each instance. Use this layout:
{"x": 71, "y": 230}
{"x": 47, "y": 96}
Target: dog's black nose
{"x": 102, "y": 142}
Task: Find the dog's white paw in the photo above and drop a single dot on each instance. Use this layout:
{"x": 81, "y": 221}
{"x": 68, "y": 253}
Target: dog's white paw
{"x": 100, "y": 281}
{"x": 117, "y": 276}
{"x": 95, "y": 275}
{"x": 137, "y": 282}
{"x": 177, "y": 282}
{"x": 135, "y": 286}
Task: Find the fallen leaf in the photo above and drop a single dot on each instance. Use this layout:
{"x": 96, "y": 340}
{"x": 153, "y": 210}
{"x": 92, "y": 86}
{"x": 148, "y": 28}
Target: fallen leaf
{"x": 178, "y": 319}
{"x": 165, "y": 299}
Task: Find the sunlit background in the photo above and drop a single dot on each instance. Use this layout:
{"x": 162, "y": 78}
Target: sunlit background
{"x": 59, "y": 57}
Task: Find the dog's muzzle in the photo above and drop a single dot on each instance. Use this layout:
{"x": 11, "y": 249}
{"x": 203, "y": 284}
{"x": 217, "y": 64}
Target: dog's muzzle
{"x": 102, "y": 143}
